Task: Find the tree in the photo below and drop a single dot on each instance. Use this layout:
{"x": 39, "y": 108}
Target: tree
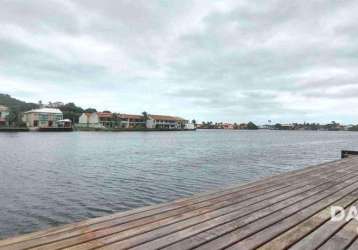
{"x": 251, "y": 126}
{"x": 16, "y": 109}
{"x": 90, "y": 110}
{"x": 146, "y": 118}
{"x": 278, "y": 126}
{"x": 193, "y": 122}
{"x": 353, "y": 128}
{"x": 71, "y": 111}
{"x": 235, "y": 126}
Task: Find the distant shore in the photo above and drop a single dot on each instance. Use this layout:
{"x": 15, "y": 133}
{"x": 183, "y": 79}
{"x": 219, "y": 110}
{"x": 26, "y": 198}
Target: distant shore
{"x": 128, "y": 129}
{"x": 14, "y": 130}
{"x": 92, "y": 130}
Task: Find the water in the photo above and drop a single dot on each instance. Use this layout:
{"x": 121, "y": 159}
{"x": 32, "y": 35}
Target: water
{"x": 49, "y": 179}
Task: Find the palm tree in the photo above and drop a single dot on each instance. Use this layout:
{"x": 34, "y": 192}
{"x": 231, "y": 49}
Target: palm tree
{"x": 146, "y": 118}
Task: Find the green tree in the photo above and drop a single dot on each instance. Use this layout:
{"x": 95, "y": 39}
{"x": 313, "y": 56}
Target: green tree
{"x": 71, "y": 111}
{"x": 16, "y": 109}
{"x": 90, "y": 110}
{"x": 251, "y": 125}
{"x": 353, "y": 128}
{"x": 146, "y": 118}
{"x": 278, "y": 126}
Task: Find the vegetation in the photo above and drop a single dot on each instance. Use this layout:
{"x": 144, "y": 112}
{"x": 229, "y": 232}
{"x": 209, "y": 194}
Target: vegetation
{"x": 353, "y": 128}
{"x": 71, "y": 111}
{"x": 90, "y": 110}
{"x": 251, "y": 126}
{"x": 146, "y": 117}
{"x": 16, "y": 108}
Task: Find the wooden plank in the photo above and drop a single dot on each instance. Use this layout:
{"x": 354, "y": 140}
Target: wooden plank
{"x": 343, "y": 238}
{"x": 354, "y": 245}
{"x": 274, "y": 180}
{"x": 176, "y": 232}
{"x": 228, "y": 234}
{"x": 65, "y": 236}
{"x": 268, "y": 233}
{"x": 181, "y": 216}
{"x": 272, "y": 201}
{"x": 320, "y": 236}
{"x": 298, "y": 232}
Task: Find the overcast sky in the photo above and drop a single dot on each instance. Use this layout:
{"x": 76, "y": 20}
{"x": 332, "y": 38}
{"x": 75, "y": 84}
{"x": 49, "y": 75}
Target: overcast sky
{"x": 210, "y": 60}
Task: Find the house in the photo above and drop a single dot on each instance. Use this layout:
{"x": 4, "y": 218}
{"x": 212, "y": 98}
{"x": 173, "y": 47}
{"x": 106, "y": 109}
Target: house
{"x": 106, "y": 119}
{"x": 287, "y": 127}
{"x": 242, "y": 126}
{"x": 228, "y": 126}
{"x": 131, "y": 121}
{"x": 4, "y": 112}
{"x": 189, "y": 126}
{"x": 89, "y": 120}
{"x": 165, "y": 121}
{"x": 43, "y": 118}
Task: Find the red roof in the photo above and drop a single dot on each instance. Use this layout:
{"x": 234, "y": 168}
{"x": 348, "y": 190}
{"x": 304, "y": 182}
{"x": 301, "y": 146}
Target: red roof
{"x": 166, "y": 118}
{"x": 127, "y": 116}
{"x": 104, "y": 114}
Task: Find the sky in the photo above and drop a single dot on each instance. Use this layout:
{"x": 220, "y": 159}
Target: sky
{"x": 227, "y": 60}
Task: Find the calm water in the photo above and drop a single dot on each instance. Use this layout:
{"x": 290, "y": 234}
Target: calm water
{"x": 48, "y": 179}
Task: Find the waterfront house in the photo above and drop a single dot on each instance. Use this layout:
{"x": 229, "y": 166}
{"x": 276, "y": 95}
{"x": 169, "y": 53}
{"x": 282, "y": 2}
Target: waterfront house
{"x": 89, "y": 120}
{"x": 287, "y": 127}
{"x": 165, "y": 121}
{"x": 43, "y": 118}
{"x": 228, "y": 126}
{"x": 131, "y": 121}
{"x": 4, "y": 113}
{"x": 107, "y": 119}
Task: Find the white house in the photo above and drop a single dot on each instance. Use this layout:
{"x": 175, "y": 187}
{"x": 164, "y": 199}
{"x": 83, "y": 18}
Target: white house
{"x": 42, "y": 118}
{"x": 165, "y": 121}
{"x": 89, "y": 120}
{"x": 131, "y": 121}
{"x": 4, "y": 112}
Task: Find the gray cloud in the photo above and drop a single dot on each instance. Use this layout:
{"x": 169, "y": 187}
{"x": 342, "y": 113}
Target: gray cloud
{"x": 227, "y": 60}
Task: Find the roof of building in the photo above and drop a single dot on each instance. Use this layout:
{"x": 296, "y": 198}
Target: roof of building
{"x": 45, "y": 110}
{"x": 128, "y": 116}
{"x": 3, "y": 108}
{"x": 105, "y": 114}
{"x": 166, "y": 118}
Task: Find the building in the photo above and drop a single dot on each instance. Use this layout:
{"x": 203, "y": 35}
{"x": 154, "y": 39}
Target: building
{"x": 89, "y": 120}
{"x": 287, "y": 127}
{"x": 4, "y": 113}
{"x": 131, "y": 121}
{"x": 43, "y": 118}
{"x": 107, "y": 119}
{"x": 164, "y": 121}
{"x": 189, "y": 126}
{"x": 228, "y": 126}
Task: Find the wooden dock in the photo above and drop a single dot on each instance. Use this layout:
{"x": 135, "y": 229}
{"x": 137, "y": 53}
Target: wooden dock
{"x": 290, "y": 210}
